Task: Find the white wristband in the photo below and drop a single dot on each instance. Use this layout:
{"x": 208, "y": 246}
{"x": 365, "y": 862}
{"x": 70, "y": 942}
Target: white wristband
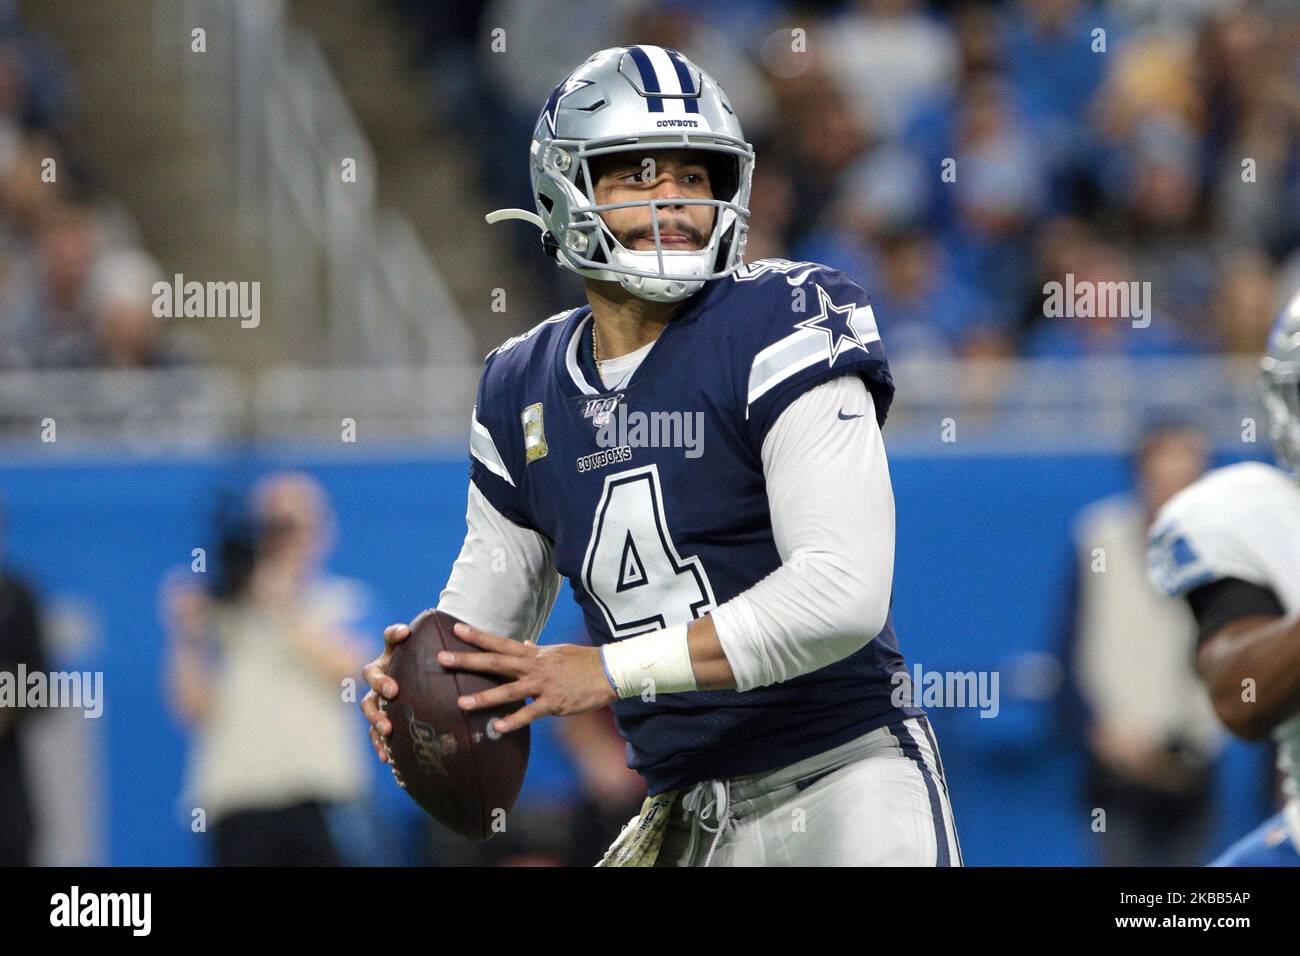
{"x": 657, "y": 663}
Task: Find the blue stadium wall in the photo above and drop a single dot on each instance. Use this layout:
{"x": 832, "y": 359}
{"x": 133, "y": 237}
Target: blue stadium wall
{"x": 982, "y": 569}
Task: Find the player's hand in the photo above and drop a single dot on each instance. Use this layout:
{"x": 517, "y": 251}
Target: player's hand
{"x": 376, "y": 675}
{"x": 1126, "y": 752}
{"x": 561, "y": 678}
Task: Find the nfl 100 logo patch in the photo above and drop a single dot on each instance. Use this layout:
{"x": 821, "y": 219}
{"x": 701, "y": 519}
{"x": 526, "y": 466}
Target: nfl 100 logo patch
{"x": 534, "y": 433}
{"x": 599, "y": 410}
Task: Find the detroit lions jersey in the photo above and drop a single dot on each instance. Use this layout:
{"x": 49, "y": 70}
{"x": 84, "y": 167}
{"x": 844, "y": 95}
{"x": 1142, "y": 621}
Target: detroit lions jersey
{"x": 1242, "y": 521}
{"x": 653, "y": 497}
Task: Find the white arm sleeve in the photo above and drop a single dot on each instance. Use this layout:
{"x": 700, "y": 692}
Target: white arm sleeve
{"x": 504, "y": 580}
{"x": 832, "y": 509}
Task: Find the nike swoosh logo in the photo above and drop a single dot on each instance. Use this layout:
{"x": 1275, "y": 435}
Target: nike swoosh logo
{"x": 798, "y": 277}
{"x": 847, "y": 418}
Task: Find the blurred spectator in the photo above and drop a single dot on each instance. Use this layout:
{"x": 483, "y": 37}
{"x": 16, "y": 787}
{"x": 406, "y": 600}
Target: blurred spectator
{"x": 883, "y": 194}
{"x": 1173, "y": 14}
{"x": 888, "y": 57}
{"x": 272, "y": 764}
{"x": 1151, "y": 117}
{"x": 1167, "y": 249}
{"x": 922, "y": 307}
{"x": 127, "y": 334}
{"x": 1102, "y": 331}
{"x": 1244, "y": 306}
{"x": 34, "y": 83}
{"x": 917, "y": 290}
{"x": 23, "y": 197}
{"x": 60, "y": 305}
{"x": 876, "y": 197}
{"x": 1152, "y": 734}
{"x": 47, "y": 316}
{"x": 1247, "y": 72}
{"x": 1054, "y": 68}
{"x": 999, "y": 191}
{"x": 1059, "y": 245}
{"x": 817, "y": 139}
{"x": 20, "y": 643}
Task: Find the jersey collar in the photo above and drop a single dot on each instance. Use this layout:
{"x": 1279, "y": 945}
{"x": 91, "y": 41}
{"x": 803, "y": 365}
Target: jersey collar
{"x": 577, "y": 370}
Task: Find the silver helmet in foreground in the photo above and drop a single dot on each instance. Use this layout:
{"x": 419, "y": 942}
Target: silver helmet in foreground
{"x": 635, "y": 99}
{"x": 1280, "y": 377}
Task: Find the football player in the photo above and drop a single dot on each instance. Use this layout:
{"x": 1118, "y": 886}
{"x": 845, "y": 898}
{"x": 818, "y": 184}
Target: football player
{"x": 736, "y": 578}
{"x": 1230, "y": 544}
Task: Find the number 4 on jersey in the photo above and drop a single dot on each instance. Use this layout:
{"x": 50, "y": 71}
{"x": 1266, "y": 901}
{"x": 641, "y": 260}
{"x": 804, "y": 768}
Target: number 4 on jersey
{"x": 632, "y": 569}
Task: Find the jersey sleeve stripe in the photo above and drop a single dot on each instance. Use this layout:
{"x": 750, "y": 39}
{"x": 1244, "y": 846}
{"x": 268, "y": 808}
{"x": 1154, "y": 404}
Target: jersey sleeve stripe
{"x": 484, "y": 449}
{"x": 863, "y": 321}
{"x": 794, "y": 353}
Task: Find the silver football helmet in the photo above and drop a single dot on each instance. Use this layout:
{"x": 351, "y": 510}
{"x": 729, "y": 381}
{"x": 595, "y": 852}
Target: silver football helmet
{"x": 635, "y": 99}
{"x": 1280, "y": 378}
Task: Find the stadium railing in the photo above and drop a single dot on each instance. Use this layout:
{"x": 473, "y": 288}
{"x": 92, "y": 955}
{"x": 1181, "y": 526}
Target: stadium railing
{"x": 1039, "y": 406}
{"x": 265, "y": 89}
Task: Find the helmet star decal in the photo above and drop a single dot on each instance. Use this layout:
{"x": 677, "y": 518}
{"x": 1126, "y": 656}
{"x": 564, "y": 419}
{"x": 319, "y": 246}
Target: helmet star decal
{"x": 552, "y": 107}
{"x": 836, "y": 321}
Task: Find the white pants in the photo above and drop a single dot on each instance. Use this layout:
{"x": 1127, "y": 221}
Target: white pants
{"x": 879, "y": 800}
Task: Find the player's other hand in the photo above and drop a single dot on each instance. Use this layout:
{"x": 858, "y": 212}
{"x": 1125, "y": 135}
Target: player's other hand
{"x": 561, "y": 679}
{"x": 381, "y": 685}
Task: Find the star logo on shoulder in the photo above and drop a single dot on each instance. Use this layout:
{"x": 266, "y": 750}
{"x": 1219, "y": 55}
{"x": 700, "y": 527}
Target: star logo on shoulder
{"x": 552, "y": 108}
{"x": 843, "y": 325}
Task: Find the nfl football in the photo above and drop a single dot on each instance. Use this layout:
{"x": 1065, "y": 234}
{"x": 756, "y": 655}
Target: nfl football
{"x": 463, "y": 774}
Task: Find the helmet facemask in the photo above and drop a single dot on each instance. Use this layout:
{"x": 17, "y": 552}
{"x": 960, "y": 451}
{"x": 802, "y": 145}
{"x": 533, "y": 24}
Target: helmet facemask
{"x": 590, "y": 248}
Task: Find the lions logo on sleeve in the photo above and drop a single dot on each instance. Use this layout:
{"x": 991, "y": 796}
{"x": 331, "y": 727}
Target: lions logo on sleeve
{"x": 1242, "y": 521}
{"x": 1175, "y": 565}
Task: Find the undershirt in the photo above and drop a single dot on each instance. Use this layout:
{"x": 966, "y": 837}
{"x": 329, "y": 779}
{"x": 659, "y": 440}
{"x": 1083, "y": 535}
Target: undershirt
{"x": 616, "y": 372}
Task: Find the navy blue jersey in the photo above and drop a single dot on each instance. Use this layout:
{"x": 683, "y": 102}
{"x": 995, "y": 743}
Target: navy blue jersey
{"x": 656, "y": 521}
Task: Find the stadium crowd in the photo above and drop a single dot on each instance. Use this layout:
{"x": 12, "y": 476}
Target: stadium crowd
{"x": 75, "y": 287}
{"x": 954, "y": 157}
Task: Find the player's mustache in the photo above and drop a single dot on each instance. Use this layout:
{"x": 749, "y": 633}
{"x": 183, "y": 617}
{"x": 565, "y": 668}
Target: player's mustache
{"x": 683, "y": 228}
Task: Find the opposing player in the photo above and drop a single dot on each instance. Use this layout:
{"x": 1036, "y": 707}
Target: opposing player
{"x": 1230, "y": 544}
{"x": 698, "y": 452}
